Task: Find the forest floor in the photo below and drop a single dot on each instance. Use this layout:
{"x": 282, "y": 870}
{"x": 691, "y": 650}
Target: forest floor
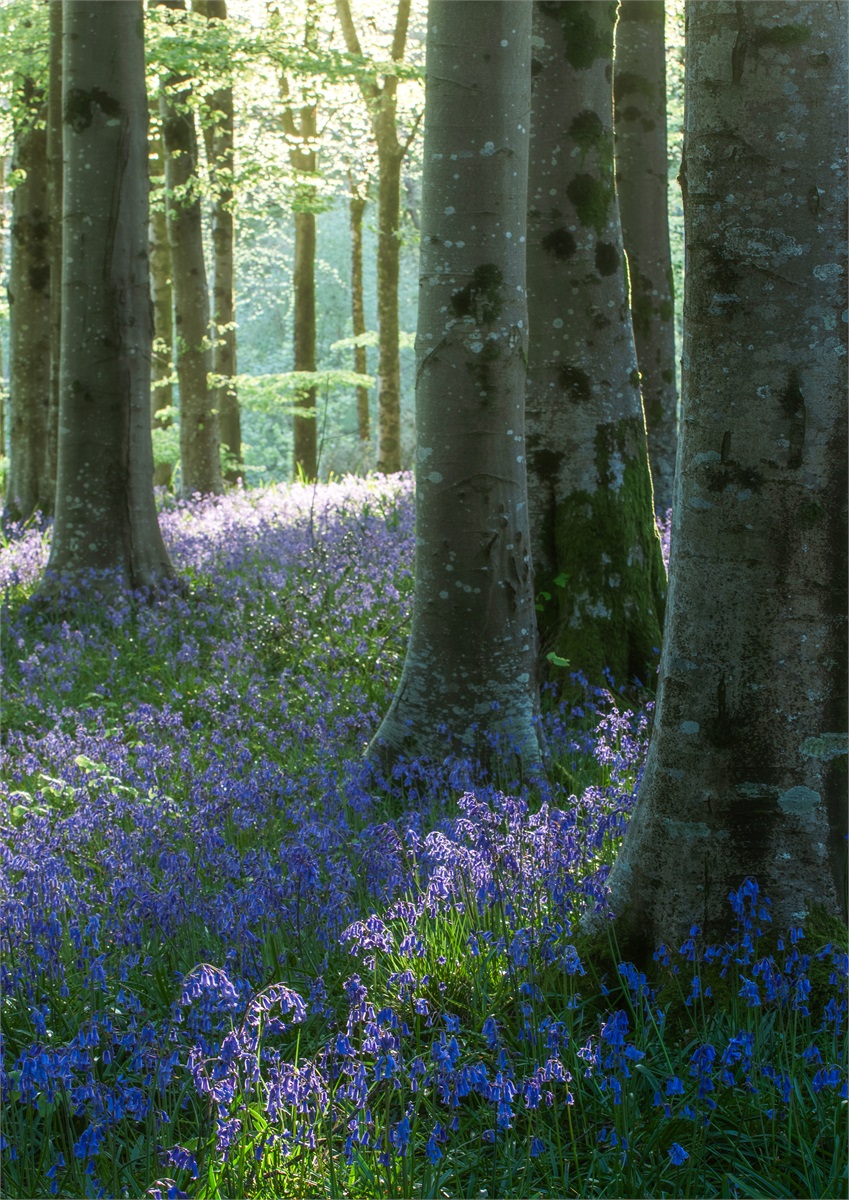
{"x": 236, "y": 962}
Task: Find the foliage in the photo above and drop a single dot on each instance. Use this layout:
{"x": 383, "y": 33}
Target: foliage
{"x": 237, "y": 963}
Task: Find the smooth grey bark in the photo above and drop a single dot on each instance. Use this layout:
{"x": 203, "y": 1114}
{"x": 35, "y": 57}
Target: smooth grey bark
{"x": 639, "y": 89}
{"x": 30, "y": 486}
{"x": 162, "y": 299}
{"x": 381, "y": 100}
{"x": 200, "y": 461}
{"x": 105, "y": 513}
{"x": 745, "y": 774}
{"x": 599, "y": 574}
{"x": 54, "y": 205}
{"x": 469, "y": 669}
{"x": 219, "y": 139}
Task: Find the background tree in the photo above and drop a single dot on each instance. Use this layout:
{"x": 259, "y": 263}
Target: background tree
{"x": 54, "y": 205}
{"x": 357, "y": 202}
{"x": 469, "y": 668}
{"x": 746, "y": 768}
{"x": 599, "y": 573}
{"x": 219, "y": 133}
{"x": 30, "y": 484}
{"x": 301, "y": 129}
{"x": 200, "y": 463}
{"x": 639, "y": 89}
{"x": 162, "y": 356}
{"x": 381, "y": 99}
{"x": 105, "y": 513}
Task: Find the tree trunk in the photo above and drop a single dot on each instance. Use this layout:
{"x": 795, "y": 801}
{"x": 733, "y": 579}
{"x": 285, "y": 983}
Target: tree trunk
{"x": 469, "y": 669}
{"x": 639, "y": 89}
{"x": 301, "y": 128}
{"x": 162, "y": 357}
{"x": 29, "y": 486}
{"x": 54, "y": 205}
{"x": 599, "y": 574}
{"x": 2, "y": 251}
{"x": 306, "y": 442}
{"x": 390, "y": 155}
{"x": 746, "y": 768}
{"x": 199, "y": 429}
{"x": 220, "y": 157}
{"x": 382, "y": 104}
{"x": 357, "y": 205}
{"x": 105, "y": 513}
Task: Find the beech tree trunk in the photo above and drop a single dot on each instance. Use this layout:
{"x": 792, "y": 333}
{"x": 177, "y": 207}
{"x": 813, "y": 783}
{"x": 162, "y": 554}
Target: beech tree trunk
{"x": 220, "y": 157}
{"x": 162, "y": 357}
{"x": 599, "y": 574}
{"x": 639, "y": 89}
{"x": 105, "y": 513}
{"x": 29, "y": 486}
{"x": 200, "y": 460}
{"x": 54, "y": 204}
{"x": 301, "y": 128}
{"x": 746, "y": 768}
{"x": 469, "y": 669}
{"x": 2, "y": 252}
{"x": 382, "y": 104}
{"x": 357, "y": 205}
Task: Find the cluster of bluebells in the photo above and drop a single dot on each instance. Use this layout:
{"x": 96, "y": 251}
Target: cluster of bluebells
{"x": 165, "y": 812}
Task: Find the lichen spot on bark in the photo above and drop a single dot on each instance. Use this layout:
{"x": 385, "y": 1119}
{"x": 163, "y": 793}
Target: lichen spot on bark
{"x": 782, "y": 35}
{"x": 560, "y": 244}
{"x": 606, "y": 258}
{"x": 482, "y": 297}
{"x": 80, "y": 106}
{"x": 587, "y": 30}
{"x": 591, "y": 198}
{"x": 575, "y": 383}
{"x": 587, "y": 131}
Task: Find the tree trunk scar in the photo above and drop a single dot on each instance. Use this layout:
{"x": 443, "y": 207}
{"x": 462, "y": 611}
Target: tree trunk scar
{"x": 793, "y": 404}
{"x": 741, "y": 45}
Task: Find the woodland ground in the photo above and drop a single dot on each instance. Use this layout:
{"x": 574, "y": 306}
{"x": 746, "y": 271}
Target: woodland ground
{"x": 237, "y": 963}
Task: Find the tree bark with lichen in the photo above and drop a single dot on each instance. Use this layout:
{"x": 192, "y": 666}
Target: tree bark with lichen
{"x": 639, "y": 90}
{"x": 468, "y": 673}
{"x": 105, "y": 513}
{"x": 746, "y": 770}
{"x": 599, "y": 575}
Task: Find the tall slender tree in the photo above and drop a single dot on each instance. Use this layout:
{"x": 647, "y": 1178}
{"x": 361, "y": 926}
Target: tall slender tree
{"x": 639, "y": 89}
{"x": 382, "y": 101}
{"x": 200, "y": 461}
{"x": 3, "y": 191}
{"x": 54, "y": 206}
{"x": 30, "y": 484}
{"x": 469, "y": 669}
{"x": 162, "y": 299}
{"x": 219, "y": 139}
{"x": 746, "y": 767}
{"x": 357, "y": 200}
{"x": 301, "y": 128}
{"x": 600, "y": 578}
{"x": 105, "y": 513}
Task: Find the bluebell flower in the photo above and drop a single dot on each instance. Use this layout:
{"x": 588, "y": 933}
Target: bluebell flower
{"x": 677, "y": 1154}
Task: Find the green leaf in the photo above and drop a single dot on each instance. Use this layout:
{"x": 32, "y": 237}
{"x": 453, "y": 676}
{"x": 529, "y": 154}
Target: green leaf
{"x": 556, "y": 660}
